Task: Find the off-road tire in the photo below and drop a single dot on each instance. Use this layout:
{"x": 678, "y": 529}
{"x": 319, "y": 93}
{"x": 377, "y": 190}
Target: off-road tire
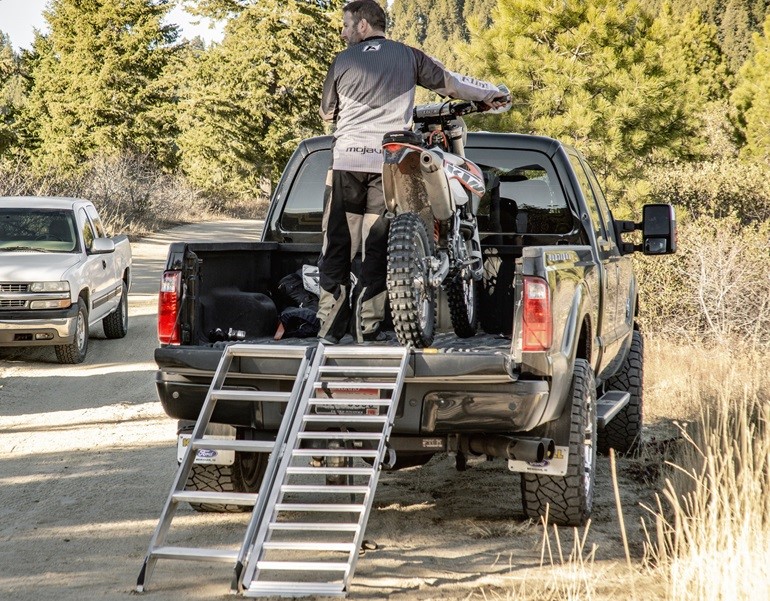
{"x": 624, "y": 432}
{"x": 75, "y": 352}
{"x": 462, "y": 296}
{"x": 413, "y": 309}
{"x": 569, "y": 499}
{"x": 244, "y": 475}
{"x": 116, "y": 323}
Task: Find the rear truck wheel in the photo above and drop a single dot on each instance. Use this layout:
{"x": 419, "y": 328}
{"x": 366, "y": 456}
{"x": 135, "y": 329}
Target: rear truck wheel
{"x": 75, "y": 352}
{"x": 244, "y": 475}
{"x": 569, "y": 499}
{"x": 116, "y": 323}
{"x": 462, "y": 296}
{"x": 624, "y": 432}
{"x": 412, "y": 299}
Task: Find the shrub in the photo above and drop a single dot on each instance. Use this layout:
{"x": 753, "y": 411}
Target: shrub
{"x": 134, "y": 196}
{"x": 715, "y": 288}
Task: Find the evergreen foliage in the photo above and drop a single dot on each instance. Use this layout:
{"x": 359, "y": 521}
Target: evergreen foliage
{"x": 596, "y": 74}
{"x": 751, "y": 98}
{"x": 246, "y": 103}
{"x": 11, "y": 94}
{"x": 736, "y": 21}
{"x": 439, "y": 27}
{"x": 98, "y": 82}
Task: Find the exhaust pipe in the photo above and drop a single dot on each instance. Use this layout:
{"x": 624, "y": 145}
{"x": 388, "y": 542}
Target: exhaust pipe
{"x": 520, "y": 448}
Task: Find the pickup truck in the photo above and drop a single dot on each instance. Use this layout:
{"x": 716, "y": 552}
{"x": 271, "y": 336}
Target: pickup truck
{"x": 60, "y": 274}
{"x": 554, "y": 375}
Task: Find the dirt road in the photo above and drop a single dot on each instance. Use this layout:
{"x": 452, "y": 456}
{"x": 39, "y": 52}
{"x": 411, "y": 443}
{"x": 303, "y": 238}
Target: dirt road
{"x": 87, "y": 456}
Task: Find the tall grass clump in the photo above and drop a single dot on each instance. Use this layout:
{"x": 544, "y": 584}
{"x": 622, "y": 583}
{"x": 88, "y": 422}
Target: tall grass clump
{"x": 711, "y": 535}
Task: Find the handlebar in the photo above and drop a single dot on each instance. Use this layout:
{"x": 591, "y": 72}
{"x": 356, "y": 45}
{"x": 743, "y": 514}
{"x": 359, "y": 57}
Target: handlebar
{"x": 425, "y": 113}
{"x": 448, "y": 109}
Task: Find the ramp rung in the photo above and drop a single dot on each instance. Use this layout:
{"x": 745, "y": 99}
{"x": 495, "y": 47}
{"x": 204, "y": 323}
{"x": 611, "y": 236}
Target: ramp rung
{"x": 308, "y": 546}
{"x": 329, "y": 488}
{"x": 331, "y": 471}
{"x": 227, "y": 444}
{"x": 315, "y": 526}
{"x": 303, "y": 566}
{"x": 224, "y": 498}
{"x": 337, "y": 419}
{"x": 350, "y": 402}
{"x": 195, "y": 554}
{"x": 341, "y": 452}
{"x": 339, "y": 435}
{"x": 314, "y": 507}
{"x": 280, "y": 588}
{"x": 266, "y": 350}
{"x": 337, "y": 385}
{"x": 357, "y": 369}
{"x": 357, "y": 352}
{"x": 250, "y": 395}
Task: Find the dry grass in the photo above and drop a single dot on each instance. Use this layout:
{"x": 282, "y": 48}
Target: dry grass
{"x": 708, "y": 537}
{"x": 711, "y": 536}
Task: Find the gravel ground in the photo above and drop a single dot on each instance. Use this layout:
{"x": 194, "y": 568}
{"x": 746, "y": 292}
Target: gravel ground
{"x": 88, "y": 457}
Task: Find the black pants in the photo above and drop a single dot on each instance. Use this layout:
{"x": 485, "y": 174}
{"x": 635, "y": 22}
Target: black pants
{"x": 354, "y": 219}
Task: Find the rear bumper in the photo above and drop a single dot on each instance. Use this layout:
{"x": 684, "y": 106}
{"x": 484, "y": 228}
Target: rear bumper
{"x": 45, "y": 328}
{"x": 444, "y": 392}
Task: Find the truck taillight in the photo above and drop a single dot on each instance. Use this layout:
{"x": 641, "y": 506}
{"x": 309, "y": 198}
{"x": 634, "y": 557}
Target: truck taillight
{"x": 168, "y": 307}
{"x": 536, "y": 316}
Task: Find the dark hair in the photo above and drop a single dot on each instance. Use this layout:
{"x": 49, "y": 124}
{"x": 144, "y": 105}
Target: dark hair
{"x": 369, "y": 10}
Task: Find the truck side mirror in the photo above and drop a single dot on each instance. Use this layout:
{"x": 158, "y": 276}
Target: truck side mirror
{"x": 101, "y": 246}
{"x": 658, "y": 229}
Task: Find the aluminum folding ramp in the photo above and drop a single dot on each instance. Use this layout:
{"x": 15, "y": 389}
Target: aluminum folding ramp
{"x": 312, "y": 521}
{"x": 219, "y": 392}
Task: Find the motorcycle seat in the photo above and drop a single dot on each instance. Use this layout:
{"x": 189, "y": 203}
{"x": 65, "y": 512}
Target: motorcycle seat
{"x": 402, "y": 137}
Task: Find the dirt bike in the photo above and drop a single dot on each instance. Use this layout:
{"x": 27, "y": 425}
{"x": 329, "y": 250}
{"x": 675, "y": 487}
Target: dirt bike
{"x": 432, "y": 193}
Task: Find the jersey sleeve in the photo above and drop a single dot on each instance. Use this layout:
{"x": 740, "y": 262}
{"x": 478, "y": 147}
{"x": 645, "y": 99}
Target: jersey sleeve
{"x": 433, "y": 75}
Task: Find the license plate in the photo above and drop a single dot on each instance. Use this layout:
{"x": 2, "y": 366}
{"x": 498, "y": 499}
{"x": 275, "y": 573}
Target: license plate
{"x": 557, "y": 466}
{"x": 349, "y": 393}
{"x": 205, "y": 456}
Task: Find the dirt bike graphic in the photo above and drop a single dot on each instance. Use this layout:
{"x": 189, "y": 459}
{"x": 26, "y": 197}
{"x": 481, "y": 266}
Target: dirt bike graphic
{"x": 433, "y": 193}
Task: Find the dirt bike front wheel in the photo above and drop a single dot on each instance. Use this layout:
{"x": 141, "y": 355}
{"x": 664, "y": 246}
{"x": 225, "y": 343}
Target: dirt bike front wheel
{"x": 412, "y": 298}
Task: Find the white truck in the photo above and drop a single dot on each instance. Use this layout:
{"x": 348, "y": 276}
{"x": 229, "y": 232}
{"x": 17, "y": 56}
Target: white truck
{"x": 60, "y": 274}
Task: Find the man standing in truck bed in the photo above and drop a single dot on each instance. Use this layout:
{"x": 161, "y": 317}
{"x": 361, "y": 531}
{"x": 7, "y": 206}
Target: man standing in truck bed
{"x": 368, "y": 92}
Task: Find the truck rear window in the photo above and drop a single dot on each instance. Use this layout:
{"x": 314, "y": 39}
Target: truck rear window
{"x": 43, "y": 230}
{"x": 524, "y": 195}
{"x": 304, "y": 204}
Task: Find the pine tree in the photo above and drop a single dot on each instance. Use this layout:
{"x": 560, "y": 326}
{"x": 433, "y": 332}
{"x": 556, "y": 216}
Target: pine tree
{"x": 693, "y": 46}
{"x": 437, "y": 27}
{"x": 593, "y": 73}
{"x": 10, "y": 98}
{"x": 752, "y": 98}
{"x": 99, "y": 82}
{"x": 408, "y": 21}
{"x": 736, "y": 22}
{"x": 248, "y": 101}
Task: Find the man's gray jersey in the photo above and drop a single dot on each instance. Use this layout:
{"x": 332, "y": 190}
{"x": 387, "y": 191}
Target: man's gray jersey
{"x": 370, "y": 89}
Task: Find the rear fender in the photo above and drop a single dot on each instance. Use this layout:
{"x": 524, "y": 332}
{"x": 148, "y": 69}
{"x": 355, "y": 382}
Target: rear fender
{"x": 410, "y": 186}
